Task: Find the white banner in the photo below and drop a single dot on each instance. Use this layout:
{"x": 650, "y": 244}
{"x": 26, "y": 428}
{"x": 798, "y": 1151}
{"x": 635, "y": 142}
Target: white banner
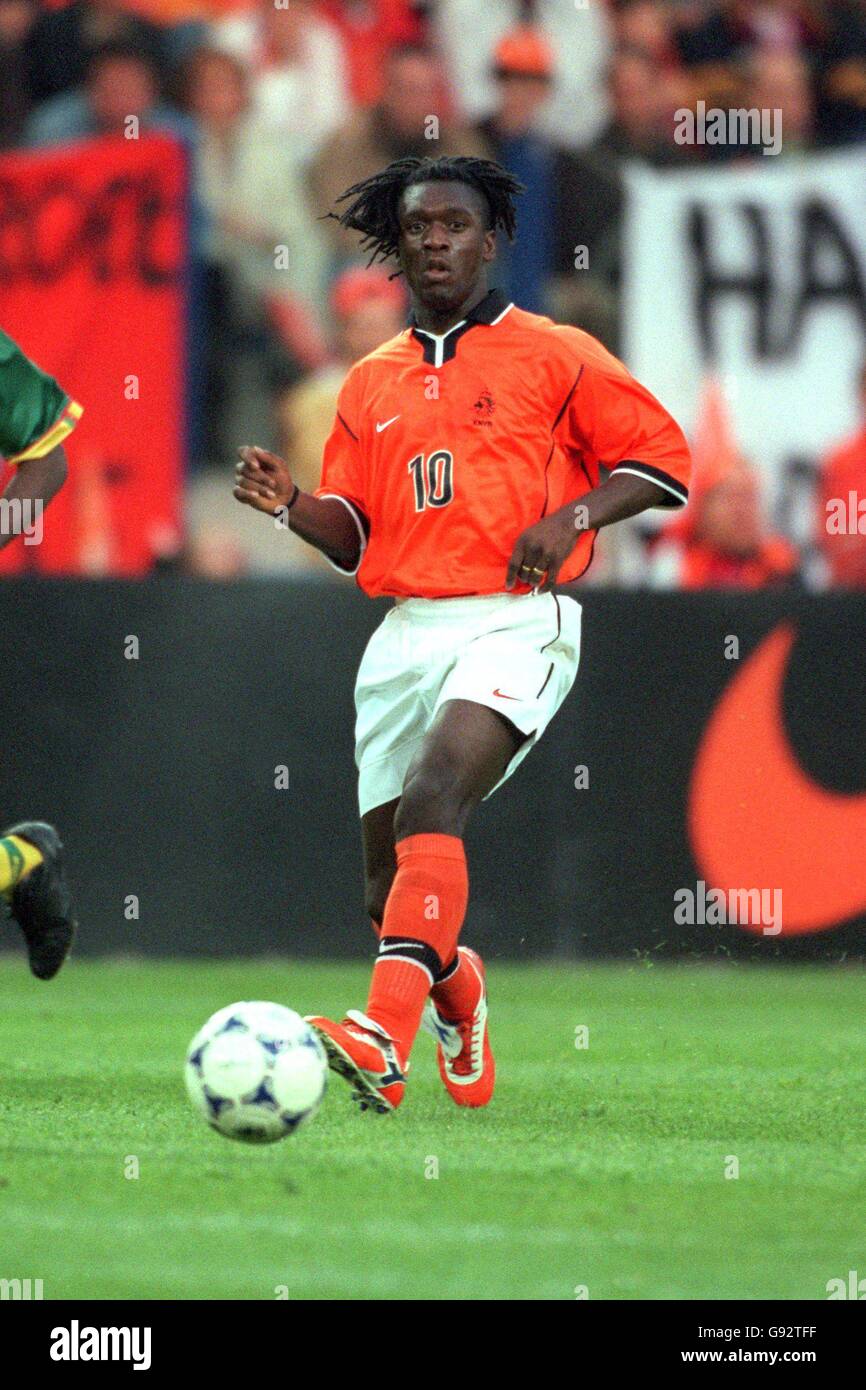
{"x": 758, "y": 273}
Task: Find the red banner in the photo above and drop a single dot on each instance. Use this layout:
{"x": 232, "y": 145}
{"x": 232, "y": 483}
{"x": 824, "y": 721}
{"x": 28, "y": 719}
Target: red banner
{"x": 93, "y": 245}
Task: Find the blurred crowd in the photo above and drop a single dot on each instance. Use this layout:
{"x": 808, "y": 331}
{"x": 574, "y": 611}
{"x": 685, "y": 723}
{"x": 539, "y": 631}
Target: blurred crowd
{"x": 285, "y": 103}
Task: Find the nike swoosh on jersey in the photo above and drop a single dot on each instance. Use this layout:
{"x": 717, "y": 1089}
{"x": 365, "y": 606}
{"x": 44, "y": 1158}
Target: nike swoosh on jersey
{"x": 503, "y": 696}
{"x": 757, "y": 820}
{"x": 380, "y": 427}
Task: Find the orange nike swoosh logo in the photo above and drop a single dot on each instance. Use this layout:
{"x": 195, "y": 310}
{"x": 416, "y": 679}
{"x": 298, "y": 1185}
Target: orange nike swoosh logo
{"x": 498, "y": 692}
{"x": 757, "y": 820}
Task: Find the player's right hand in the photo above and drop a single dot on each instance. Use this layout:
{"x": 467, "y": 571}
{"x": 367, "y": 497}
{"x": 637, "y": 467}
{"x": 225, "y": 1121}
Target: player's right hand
{"x": 262, "y": 480}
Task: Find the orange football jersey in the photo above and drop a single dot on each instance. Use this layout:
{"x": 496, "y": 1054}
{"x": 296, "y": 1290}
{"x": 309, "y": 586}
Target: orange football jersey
{"x": 446, "y": 447}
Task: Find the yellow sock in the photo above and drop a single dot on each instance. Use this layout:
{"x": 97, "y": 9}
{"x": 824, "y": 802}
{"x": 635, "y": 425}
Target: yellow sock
{"x": 17, "y": 859}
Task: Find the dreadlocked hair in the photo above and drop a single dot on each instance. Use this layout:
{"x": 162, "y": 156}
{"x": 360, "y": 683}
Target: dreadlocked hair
{"x": 373, "y": 209}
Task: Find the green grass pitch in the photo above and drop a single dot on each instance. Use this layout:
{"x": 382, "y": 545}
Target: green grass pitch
{"x": 600, "y": 1167}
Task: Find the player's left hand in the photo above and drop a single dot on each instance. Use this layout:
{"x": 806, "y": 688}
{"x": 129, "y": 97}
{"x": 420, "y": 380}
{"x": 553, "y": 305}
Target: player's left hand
{"x": 540, "y": 552}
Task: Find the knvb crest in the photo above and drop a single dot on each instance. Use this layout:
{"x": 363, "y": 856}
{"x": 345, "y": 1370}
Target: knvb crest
{"x": 483, "y": 408}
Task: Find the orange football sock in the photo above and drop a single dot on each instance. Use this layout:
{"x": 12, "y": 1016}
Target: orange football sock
{"x": 423, "y": 917}
{"x": 456, "y": 995}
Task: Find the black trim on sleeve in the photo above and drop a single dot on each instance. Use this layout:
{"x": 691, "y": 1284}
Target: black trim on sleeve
{"x": 346, "y": 427}
{"x": 564, "y": 406}
{"x": 677, "y": 494}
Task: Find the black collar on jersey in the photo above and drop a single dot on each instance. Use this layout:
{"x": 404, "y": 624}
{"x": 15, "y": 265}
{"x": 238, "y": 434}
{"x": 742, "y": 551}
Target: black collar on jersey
{"x": 441, "y": 347}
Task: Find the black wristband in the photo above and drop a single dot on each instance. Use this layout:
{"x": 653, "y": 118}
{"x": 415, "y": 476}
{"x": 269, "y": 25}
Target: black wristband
{"x": 295, "y": 495}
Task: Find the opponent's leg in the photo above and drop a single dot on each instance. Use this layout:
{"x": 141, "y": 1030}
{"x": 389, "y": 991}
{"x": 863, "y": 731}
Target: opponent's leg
{"x": 33, "y": 880}
{"x": 17, "y": 858}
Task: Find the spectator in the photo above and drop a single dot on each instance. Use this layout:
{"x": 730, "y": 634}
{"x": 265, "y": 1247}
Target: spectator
{"x": 709, "y": 36}
{"x": 721, "y": 540}
{"x": 591, "y": 195}
{"x": 63, "y": 42}
{"x": 395, "y": 127}
{"x": 17, "y": 18}
{"x": 716, "y": 41}
{"x": 367, "y": 309}
{"x": 579, "y": 35}
{"x": 523, "y": 71}
{"x": 841, "y": 521}
{"x": 299, "y": 79}
{"x": 262, "y": 236}
{"x": 369, "y": 30}
{"x": 841, "y": 73}
{"x": 648, "y": 26}
{"x": 119, "y": 84}
{"x": 569, "y": 203}
{"x": 781, "y": 82}
{"x": 639, "y": 127}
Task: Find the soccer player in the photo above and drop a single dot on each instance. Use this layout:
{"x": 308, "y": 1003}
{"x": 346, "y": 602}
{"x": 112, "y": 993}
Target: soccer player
{"x": 36, "y": 415}
{"x": 463, "y": 478}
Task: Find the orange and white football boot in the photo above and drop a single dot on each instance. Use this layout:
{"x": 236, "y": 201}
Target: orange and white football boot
{"x": 361, "y": 1052}
{"x": 465, "y": 1058}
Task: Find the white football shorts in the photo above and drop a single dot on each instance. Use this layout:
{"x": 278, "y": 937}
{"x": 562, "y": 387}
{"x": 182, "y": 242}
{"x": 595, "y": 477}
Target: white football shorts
{"x": 515, "y": 653}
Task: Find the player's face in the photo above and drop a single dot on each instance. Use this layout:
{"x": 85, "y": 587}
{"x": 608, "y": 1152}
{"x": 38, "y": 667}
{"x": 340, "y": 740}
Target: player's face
{"x": 444, "y": 243}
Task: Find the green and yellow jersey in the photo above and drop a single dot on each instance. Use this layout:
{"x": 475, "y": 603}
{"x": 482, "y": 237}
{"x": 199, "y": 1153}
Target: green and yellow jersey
{"x": 36, "y": 414}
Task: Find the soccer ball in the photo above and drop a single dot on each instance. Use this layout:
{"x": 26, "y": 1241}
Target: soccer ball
{"x": 256, "y": 1072}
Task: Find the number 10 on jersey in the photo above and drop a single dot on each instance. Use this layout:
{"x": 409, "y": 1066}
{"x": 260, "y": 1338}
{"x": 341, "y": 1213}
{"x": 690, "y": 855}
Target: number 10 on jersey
{"x": 432, "y": 479}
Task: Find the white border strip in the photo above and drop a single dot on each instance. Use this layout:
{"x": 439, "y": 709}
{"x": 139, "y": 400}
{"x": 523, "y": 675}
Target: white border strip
{"x": 623, "y": 468}
{"x": 346, "y": 503}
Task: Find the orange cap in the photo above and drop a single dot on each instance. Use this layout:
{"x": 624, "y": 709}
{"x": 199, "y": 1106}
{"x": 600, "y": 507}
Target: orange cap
{"x": 524, "y": 50}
